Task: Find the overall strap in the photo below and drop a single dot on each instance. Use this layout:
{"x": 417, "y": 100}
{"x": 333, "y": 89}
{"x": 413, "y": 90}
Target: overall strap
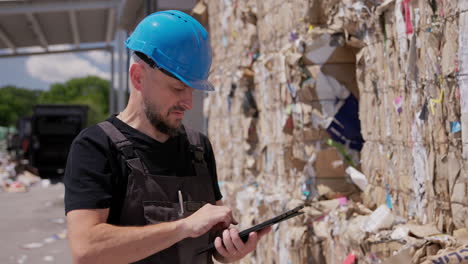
{"x": 195, "y": 147}
{"x": 131, "y": 160}
{"x": 124, "y": 145}
{"x": 119, "y": 140}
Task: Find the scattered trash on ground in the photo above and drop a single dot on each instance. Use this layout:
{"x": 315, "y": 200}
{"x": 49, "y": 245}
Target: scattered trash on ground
{"x": 22, "y": 259}
{"x": 59, "y": 220}
{"x": 15, "y": 178}
{"x": 49, "y": 258}
{"x": 32, "y": 245}
{"x": 48, "y": 240}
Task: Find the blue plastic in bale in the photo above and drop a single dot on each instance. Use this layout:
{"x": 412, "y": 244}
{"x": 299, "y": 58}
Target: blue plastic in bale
{"x": 346, "y": 126}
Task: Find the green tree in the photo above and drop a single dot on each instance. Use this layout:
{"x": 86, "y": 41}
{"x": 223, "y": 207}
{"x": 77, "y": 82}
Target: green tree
{"x": 91, "y": 91}
{"x": 16, "y": 102}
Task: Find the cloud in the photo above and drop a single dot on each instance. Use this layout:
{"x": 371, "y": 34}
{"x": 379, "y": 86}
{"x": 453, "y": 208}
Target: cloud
{"x": 99, "y": 56}
{"x": 61, "y": 67}
{"x": 60, "y": 47}
{"x": 30, "y": 49}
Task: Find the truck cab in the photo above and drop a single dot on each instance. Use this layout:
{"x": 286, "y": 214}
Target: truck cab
{"x": 53, "y": 128}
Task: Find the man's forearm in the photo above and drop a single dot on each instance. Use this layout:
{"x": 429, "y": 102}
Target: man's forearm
{"x": 105, "y": 243}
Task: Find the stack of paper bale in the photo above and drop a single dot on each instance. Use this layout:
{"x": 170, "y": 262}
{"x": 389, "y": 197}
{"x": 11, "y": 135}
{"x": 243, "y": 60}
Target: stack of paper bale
{"x": 309, "y": 88}
{"x": 410, "y": 111}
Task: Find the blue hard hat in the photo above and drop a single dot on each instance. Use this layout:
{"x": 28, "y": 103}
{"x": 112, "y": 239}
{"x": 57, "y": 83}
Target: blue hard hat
{"x": 177, "y": 43}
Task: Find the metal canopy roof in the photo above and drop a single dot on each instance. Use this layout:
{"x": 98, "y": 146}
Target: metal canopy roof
{"x": 33, "y": 27}
{"x": 134, "y": 11}
{"x": 82, "y": 24}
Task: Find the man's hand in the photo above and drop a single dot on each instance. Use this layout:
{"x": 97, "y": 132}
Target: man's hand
{"x": 231, "y": 247}
{"x": 206, "y": 218}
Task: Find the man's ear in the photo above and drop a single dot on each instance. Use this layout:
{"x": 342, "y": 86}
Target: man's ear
{"x": 136, "y": 74}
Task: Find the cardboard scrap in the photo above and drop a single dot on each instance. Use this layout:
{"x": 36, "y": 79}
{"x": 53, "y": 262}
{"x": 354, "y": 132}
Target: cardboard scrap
{"x": 324, "y": 164}
{"x": 449, "y": 256}
{"x": 423, "y": 231}
{"x": 461, "y": 235}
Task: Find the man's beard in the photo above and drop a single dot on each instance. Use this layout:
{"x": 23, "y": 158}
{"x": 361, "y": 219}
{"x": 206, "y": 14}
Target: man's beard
{"x": 157, "y": 120}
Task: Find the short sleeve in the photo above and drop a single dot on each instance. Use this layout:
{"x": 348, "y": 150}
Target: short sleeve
{"x": 87, "y": 176}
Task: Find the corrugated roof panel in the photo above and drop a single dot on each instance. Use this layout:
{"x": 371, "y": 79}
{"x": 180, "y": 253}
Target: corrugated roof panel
{"x": 176, "y": 4}
{"x": 95, "y": 20}
{"x": 56, "y": 27}
{"x": 19, "y": 30}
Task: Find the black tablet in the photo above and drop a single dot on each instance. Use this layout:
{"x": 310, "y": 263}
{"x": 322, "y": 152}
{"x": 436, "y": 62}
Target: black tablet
{"x": 244, "y": 235}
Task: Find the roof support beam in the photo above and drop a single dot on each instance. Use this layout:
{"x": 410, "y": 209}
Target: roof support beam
{"x": 110, "y": 25}
{"x": 74, "y": 27}
{"x": 38, "y": 7}
{"x": 37, "y": 30}
{"x": 54, "y": 51}
{"x": 8, "y": 42}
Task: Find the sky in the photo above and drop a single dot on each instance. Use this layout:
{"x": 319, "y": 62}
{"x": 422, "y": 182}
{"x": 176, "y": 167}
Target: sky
{"x": 40, "y": 71}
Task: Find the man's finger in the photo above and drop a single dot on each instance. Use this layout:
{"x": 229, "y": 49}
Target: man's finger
{"x": 220, "y": 248}
{"x": 233, "y": 221}
{"x": 251, "y": 243}
{"x": 227, "y": 221}
{"x": 228, "y": 242}
{"x": 236, "y": 240}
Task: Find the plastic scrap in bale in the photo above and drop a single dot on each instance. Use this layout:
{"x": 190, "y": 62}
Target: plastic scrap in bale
{"x": 381, "y": 218}
{"x": 350, "y": 259}
{"x": 346, "y": 126}
{"x": 328, "y": 48}
{"x": 357, "y": 177}
{"x": 339, "y": 107}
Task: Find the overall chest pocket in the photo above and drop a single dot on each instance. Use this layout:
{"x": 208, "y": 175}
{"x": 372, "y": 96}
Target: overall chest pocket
{"x": 160, "y": 211}
{"x": 163, "y": 211}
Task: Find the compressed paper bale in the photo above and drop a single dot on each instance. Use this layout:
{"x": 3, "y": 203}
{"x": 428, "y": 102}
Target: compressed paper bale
{"x": 345, "y": 74}
{"x": 368, "y": 131}
{"x": 450, "y": 8}
{"x": 383, "y": 75}
{"x": 449, "y": 49}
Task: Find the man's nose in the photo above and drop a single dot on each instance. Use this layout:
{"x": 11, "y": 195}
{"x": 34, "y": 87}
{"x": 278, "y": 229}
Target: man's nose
{"x": 187, "y": 98}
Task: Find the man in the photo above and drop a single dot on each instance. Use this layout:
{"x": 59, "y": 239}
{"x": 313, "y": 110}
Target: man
{"x": 140, "y": 187}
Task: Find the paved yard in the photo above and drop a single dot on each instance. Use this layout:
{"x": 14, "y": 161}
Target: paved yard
{"x": 32, "y": 226}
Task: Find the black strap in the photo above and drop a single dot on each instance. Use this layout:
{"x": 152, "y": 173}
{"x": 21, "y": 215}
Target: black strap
{"x": 195, "y": 147}
{"x": 124, "y": 145}
{"x": 193, "y": 136}
{"x": 119, "y": 185}
{"x": 120, "y": 141}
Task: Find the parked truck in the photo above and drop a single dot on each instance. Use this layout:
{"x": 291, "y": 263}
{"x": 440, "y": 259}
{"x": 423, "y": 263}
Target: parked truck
{"x": 18, "y": 139}
{"x": 53, "y": 128}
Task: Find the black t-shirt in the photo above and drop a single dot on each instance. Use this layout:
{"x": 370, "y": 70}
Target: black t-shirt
{"x": 94, "y": 162}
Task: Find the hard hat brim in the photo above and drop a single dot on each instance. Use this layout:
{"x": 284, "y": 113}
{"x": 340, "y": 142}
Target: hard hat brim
{"x": 202, "y": 85}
